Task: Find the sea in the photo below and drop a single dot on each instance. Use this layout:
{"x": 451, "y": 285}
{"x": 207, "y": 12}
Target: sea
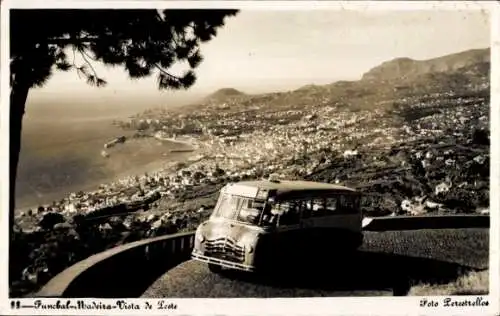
{"x": 61, "y": 151}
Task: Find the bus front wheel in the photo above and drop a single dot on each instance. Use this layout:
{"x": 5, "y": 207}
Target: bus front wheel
{"x": 214, "y": 268}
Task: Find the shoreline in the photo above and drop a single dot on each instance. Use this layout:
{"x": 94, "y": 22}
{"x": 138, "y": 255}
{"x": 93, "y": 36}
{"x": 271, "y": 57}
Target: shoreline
{"x": 185, "y": 155}
{"x": 187, "y": 141}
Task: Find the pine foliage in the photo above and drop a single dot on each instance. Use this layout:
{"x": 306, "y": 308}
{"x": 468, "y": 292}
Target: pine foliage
{"x": 145, "y": 42}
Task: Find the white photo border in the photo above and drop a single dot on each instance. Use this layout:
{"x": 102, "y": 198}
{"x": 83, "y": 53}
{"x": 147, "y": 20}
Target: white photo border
{"x": 278, "y": 306}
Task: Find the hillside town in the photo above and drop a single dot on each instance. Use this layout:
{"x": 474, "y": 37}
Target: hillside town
{"x": 276, "y": 147}
{"x": 410, "y": 154}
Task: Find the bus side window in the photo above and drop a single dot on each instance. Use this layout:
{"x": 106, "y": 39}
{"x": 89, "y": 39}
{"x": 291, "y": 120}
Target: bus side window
{"x": 341, "y": 204}
{"x": 318, "y": 207}
{"x": 357, "y": 203}
{"x": 249, "y": 211}
{"x": 331, "y": 205}
{"x": 352, "y": 204}
{"x": 346, "y": 205}
{"x": 304, "y": 208}
{"x": 291, "y": 213}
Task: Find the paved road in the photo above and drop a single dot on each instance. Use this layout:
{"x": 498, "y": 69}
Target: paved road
{"x": 387, "y": 264}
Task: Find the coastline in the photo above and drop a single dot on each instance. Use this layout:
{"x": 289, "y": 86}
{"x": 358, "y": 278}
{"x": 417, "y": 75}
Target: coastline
{"x": 182, "y": 140}
{"x": 159, "y": 165}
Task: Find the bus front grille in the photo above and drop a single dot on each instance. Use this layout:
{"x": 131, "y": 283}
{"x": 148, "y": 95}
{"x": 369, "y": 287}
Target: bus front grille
{"x": 226, "y": 249}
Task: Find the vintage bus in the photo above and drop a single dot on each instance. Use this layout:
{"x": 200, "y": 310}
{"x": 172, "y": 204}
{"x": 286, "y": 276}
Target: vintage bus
{"x": 257, "y": 223}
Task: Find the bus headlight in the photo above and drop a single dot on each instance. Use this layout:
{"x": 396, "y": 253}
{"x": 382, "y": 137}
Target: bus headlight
{"x": 200, "y": 237}
{"x": 249, "y": 249}
{"x": 247, "y": 242}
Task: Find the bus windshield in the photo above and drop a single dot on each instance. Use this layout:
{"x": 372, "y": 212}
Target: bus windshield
{"x": 243, "y": 209}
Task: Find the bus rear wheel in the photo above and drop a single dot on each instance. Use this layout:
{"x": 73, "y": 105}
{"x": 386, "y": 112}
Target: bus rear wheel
{"x": 214, "y": 268}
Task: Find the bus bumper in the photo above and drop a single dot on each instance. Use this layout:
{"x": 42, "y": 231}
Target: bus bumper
{"x": 223, "y": 263}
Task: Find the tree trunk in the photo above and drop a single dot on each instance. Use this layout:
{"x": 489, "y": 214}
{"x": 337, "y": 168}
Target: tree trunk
{"x": 18, "y": 96}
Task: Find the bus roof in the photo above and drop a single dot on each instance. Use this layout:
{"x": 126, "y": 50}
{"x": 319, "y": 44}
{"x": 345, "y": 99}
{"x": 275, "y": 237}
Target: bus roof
{"x": 288, "y": 188}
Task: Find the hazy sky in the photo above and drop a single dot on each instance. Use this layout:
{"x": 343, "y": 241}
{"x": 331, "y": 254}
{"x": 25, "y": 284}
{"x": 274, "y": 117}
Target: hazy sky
{"x": 272, "y": 50}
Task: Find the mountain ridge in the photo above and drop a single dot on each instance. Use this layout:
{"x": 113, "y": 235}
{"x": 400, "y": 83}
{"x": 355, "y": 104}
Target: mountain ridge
{"x": 405, "y": 68}
{"x": 223, "y": 94}
{"x": 397, "y": 78}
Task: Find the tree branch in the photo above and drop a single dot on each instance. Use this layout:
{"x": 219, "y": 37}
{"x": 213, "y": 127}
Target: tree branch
{"x": 71, "y": 41}
{"x": 166, "y": 73}
{"x": 91, "y": 79}
{"x": 84, "y": 52}
{"x": 74, "y": 65}
{"x": 87, "y": 62}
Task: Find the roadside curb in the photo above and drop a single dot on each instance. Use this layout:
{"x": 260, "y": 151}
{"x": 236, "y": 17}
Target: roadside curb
{"x": 426, "y": 222}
